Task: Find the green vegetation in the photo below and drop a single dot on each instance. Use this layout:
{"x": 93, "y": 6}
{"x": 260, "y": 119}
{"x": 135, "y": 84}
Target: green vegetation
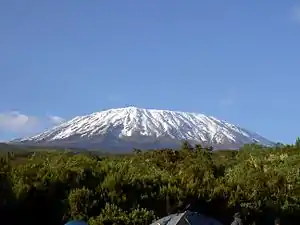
{"x": 51, "y": 187}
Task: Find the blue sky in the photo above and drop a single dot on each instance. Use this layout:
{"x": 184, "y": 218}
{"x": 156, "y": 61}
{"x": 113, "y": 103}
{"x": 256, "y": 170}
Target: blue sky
{"x": 235, "y": 60}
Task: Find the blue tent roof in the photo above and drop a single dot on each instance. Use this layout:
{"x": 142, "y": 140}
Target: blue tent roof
{"x": 186, "y": 218}
{"x": 76, "y": 222}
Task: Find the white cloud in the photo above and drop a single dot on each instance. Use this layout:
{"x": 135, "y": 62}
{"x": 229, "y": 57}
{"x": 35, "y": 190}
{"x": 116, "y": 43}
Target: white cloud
{"x": 18, "y": 123}
{"x": 296, "y": 13}
{"x": 56, "y": 120}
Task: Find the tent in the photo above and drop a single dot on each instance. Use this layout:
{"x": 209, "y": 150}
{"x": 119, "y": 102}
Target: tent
{"x": 76, "y": 222}
{"x": 186, "y": 218}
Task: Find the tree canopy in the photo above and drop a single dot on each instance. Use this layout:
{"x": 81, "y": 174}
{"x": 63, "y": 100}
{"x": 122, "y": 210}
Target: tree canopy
{"x": 52, "y": 187}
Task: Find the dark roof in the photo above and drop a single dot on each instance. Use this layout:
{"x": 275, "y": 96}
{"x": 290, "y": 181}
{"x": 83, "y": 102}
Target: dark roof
{"x": 189, "y": 217}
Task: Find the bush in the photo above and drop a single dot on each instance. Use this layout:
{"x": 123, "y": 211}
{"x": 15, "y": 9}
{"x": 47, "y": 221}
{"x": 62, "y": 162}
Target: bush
{"x": 262, "y": 183}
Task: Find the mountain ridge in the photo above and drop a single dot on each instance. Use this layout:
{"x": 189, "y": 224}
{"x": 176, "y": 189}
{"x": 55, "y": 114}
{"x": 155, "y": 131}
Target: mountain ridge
{"x": 133, "y": 127}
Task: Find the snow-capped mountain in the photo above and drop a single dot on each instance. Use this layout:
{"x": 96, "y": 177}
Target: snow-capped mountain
{"x": 132, "y": 127}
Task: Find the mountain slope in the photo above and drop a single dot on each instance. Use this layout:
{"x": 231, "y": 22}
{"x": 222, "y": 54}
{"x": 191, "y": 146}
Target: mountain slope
{"x": 125, "y": 128}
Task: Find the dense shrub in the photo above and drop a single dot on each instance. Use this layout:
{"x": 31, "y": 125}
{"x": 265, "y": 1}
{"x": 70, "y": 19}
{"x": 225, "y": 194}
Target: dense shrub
{"x": 52, "y": 187}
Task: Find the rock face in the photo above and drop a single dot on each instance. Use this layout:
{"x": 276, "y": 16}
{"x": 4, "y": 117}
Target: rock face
{"x": 125, "y": 128}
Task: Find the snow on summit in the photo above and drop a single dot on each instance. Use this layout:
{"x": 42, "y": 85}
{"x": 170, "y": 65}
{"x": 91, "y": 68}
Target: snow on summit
{"x": 126, "y": 128}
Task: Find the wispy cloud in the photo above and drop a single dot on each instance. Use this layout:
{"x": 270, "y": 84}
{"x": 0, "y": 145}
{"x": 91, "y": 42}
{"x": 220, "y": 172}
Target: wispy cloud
{"x": 17, "y": 122}
{"x": 56, "y": 120}
{"x": 295, "y": 13}
{"x": 21, "y": 124}
{"x": 228, "y": 99}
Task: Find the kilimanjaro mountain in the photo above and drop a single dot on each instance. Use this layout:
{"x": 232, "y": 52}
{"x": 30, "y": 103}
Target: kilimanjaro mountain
{"x": 123, "y": 129}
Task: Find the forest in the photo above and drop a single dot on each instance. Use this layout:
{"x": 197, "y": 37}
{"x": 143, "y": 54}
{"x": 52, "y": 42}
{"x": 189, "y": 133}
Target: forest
{"x": 53, "y": 186}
